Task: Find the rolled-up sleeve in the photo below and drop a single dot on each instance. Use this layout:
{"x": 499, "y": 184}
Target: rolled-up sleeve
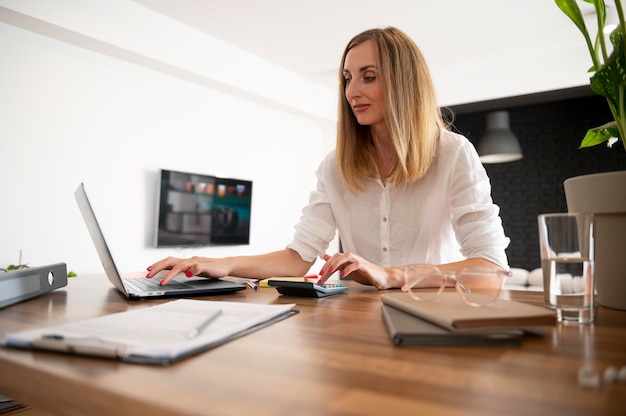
{"x": 475, "y": 218}
{"x": 316, "y": 227}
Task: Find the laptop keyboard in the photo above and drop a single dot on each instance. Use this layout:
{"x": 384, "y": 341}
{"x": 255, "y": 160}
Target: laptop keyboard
{"x": 152, "y": 285}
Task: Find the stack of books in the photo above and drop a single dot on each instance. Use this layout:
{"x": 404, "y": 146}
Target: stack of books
{"x": 448, "y": 320}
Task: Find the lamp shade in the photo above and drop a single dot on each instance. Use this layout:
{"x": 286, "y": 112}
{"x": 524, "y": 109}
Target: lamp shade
{"x": 499, "y": 144}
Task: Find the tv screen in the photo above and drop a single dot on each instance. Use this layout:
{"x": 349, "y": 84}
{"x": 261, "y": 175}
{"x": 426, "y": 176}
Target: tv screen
{"x": 200, "y": 210}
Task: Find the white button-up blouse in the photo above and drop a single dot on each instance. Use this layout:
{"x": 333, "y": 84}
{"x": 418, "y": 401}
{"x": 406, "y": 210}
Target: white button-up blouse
{"x": 446, "y": 216}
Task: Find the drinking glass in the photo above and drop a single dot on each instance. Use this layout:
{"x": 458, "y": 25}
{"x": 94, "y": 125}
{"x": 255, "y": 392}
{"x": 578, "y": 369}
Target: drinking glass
{"x": 566, "y": 246}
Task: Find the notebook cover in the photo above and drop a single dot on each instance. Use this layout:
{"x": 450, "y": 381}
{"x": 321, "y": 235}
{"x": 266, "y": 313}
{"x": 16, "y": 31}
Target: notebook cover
{"x": 450, "y": 311}
{"x": 406, "y": 329}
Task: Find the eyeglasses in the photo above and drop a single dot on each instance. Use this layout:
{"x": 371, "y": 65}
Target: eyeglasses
{"x": 477, "y": 286}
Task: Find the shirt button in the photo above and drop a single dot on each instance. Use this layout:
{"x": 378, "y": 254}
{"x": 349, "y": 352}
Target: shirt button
{"x": 384, "y": 219}
{"x": 385, "y": 249}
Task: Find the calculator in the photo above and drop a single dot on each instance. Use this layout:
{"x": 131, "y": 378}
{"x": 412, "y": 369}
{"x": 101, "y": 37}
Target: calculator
{"x": 307, "y": 289}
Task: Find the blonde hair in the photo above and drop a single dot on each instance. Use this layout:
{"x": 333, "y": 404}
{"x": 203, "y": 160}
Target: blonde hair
{"x": 412, "y": 116}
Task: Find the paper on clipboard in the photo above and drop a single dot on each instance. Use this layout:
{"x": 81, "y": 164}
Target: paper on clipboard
{"x": 155, "y": 334}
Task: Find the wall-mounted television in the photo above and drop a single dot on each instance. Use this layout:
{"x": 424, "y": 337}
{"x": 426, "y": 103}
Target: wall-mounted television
{"x": 201, "y": 210}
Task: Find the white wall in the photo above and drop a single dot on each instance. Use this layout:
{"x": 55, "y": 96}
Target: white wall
{"x": 107, "y": 92}
{"x": 70, "y": 114}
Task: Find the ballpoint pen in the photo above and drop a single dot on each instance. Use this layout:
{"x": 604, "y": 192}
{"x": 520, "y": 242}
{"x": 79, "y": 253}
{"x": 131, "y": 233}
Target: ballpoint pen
{"x": 253, "y": 285}
{"x": 198, "y": 330}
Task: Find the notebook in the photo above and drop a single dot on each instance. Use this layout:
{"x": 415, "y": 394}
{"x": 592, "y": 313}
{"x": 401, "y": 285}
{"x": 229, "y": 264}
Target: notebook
{"x": 452, "y": 313}
{"x": 137, "y": 286}
{"x": 407, "y": 329}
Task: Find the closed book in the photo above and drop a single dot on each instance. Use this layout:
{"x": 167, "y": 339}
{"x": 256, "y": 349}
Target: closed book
{"x": 449, "y": 311}
{"x": 406, "y": 329}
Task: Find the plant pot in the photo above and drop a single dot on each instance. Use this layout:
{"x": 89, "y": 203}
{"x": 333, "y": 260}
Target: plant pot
{"x": 604, "y": 194}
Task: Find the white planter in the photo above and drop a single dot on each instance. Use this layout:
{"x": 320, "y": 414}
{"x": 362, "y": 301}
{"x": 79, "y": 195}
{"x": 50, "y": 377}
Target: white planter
{"x": 604, "y": 194}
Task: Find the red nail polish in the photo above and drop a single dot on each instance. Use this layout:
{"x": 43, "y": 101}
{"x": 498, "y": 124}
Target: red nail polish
{"x": 188, "y": 273}
{"x": 161, "y": 283}
{"x": 319, "y": 282}
{"x": 321, "y": 272}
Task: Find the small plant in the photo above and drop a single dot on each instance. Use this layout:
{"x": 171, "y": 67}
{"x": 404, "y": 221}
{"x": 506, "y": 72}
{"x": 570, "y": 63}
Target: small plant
{"x": 11, "y": 267}
{"x": 609, "y": 69}
{"x": 21, "y": 266}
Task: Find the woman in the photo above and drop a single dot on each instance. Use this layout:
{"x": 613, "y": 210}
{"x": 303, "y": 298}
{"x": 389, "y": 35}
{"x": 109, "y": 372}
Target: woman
{"x": 400, "y": 188}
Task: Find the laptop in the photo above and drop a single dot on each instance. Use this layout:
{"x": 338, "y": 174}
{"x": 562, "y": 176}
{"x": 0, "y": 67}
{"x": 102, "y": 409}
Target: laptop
{"x": 137, "y": 286}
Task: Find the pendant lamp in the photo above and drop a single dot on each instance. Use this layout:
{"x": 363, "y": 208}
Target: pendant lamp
{"x": 499, "y": 144}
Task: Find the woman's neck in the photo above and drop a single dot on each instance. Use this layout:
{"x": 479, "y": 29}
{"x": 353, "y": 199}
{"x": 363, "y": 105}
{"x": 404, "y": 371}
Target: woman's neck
{"x": 382, "y": 142}
{"x": 385, "y": 157}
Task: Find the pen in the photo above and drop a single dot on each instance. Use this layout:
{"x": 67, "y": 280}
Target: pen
{"x": 252, "y": 284}
{"x": 198, "y": 330}
{"x": 311, "y": 278}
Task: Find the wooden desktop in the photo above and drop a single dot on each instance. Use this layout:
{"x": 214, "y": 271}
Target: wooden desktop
{"x": 333, "y": 358}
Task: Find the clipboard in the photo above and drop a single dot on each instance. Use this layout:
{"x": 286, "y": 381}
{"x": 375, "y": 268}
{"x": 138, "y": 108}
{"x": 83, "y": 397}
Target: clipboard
{"x": 157, "y": 335}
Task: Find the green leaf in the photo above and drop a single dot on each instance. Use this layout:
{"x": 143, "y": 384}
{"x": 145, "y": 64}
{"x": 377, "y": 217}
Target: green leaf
{"x": 571, "y": 9}
{"x": 607, "y": 80}
{"x": 600, "y": 135}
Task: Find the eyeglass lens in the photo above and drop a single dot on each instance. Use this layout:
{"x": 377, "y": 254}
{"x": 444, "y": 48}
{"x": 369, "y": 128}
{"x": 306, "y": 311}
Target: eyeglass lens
{"x": 476, "y": 285}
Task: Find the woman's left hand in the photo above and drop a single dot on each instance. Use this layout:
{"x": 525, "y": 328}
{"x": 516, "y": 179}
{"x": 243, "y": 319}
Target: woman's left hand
{"x": 358, "y": 269}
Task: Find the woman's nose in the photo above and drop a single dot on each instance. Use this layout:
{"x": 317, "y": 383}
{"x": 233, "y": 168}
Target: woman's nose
{"x": 352, "y": 91}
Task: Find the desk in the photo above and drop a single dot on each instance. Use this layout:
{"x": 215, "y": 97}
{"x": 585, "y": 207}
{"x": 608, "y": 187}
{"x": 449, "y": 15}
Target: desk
{"x": 334, "y": 358}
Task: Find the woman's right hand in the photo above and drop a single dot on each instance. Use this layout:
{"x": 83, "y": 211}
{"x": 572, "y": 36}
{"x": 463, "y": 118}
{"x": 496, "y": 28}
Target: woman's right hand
{"x": 360, "y": 270}
{"x": 193, "y": 266}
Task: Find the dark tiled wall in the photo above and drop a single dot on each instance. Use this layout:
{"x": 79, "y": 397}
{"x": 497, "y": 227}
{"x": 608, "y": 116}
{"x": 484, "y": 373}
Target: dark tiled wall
{"x": 549, "y": 133}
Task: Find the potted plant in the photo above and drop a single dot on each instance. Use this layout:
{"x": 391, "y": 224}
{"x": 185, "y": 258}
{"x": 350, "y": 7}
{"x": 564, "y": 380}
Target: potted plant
{"x": 604, "y": 194}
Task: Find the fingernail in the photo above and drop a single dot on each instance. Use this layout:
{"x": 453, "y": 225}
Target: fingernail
{"x": 188, "y": 273}
{"x": 330, "y": 270}
{"x": 321, "y": 272}
{"x": 319, "y": 282}
{"x": 342, "y": 274}
{"x": 161, "y": 283}
{"x": 148, "y": 275}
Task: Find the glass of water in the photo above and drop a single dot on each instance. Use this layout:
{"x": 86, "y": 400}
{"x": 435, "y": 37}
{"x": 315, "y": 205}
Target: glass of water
{"x": 566, "y": 245}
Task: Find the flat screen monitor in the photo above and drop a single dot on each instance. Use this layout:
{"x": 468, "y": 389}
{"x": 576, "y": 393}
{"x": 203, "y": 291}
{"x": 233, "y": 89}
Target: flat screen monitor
{"x": 201, "y": 210}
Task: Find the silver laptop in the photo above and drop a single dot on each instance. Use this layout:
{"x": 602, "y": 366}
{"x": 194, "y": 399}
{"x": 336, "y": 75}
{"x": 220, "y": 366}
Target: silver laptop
{"x": 137, "y": 286}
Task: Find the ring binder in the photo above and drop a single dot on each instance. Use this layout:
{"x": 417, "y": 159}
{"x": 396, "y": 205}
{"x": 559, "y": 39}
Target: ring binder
{"x": 19, "y": 285}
